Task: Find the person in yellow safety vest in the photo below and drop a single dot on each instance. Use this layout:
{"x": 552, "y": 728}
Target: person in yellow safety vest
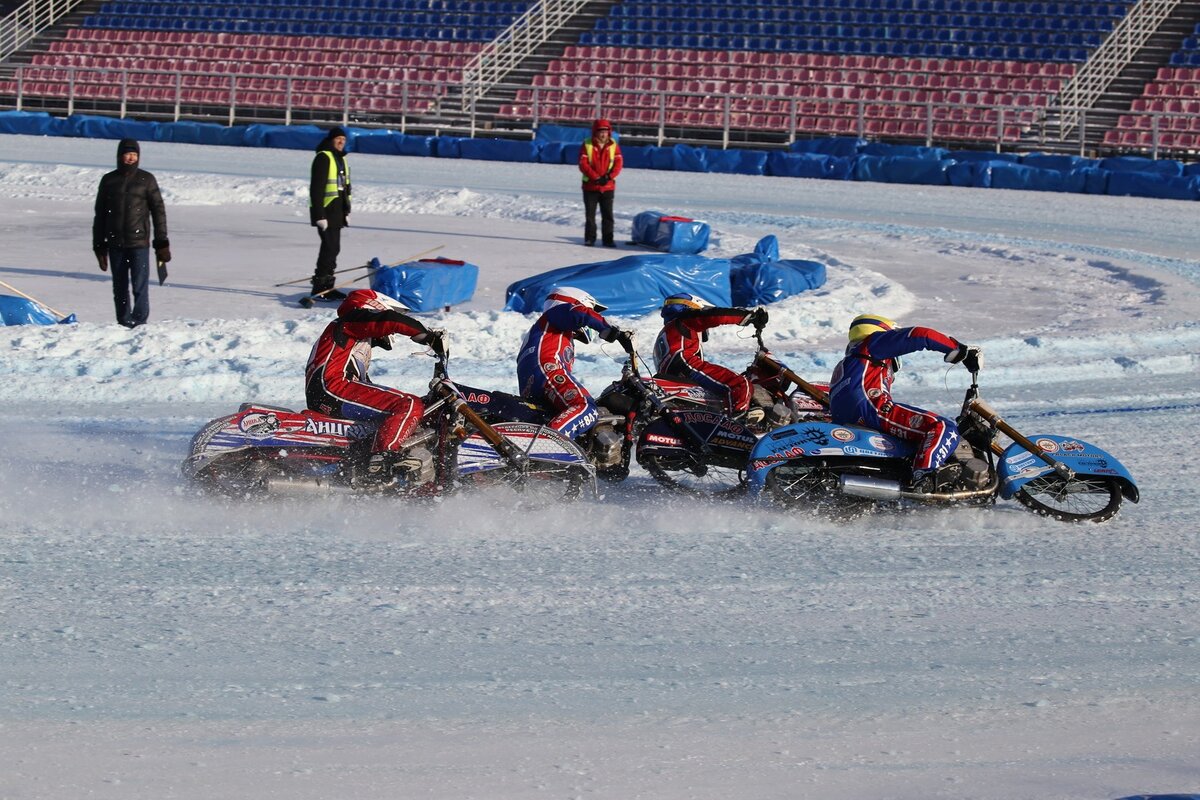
{"x": 600, "y": 162}
{"x": 329, "y": 209}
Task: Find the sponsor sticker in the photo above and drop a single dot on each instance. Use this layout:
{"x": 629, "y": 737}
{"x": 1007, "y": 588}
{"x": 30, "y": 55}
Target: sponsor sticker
{"x": 1047, "y": 445}
{"x": 842, "y": 434}
{"x": 880, "y": 443}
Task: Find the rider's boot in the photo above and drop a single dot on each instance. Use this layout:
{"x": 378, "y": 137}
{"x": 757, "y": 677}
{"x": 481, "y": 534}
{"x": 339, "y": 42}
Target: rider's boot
{"x": 927, "y": 481}
{"x": 399, "y": 470}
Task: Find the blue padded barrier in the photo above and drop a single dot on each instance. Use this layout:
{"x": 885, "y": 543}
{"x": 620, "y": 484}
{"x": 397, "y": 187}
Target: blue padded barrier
{"x": 830, "y": 159}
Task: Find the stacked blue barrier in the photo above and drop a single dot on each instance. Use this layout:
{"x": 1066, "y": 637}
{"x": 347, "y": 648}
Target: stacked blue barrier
{"x": 836, "y": 158}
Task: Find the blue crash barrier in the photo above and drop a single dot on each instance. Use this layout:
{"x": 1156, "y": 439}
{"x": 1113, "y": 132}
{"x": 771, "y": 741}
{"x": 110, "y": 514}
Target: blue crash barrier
{"x": 20, "y": 311}
{"x": 636, "y": 285}
{"x": 837, "y": 158}
{"x": 427, "y": 284}
{"x": 670, "y": 234}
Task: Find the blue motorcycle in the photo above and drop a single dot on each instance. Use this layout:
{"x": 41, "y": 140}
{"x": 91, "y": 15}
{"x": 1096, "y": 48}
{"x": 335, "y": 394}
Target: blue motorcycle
{"x": 847, "y": 469}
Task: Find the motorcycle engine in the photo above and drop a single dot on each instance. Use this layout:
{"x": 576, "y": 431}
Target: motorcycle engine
{"x": 605, "y": 448}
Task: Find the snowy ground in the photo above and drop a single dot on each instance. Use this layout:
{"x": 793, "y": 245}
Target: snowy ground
{"x": 155, "y": 645}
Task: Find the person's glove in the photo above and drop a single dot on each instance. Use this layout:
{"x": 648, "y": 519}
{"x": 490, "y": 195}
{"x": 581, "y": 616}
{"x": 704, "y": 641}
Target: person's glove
{"x": 347, "y": 220}
{"x": 615, "y": 334}
{"x": 607, "y": 176}
{"x": 162, "y": 250}
{"x": 969, "y": 357}
{"x": 758, "y": 317}
{"x": 322, "y": 224}
{"x": 102, "y": 259}
{"x": 435, "y": 339}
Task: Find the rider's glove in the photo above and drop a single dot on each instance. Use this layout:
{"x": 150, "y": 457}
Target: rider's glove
{"x": 969, "y": 357}
{"x": 436, "y": 339}
{"x": 758, "y": 318}
{"x": 614, "y": 334}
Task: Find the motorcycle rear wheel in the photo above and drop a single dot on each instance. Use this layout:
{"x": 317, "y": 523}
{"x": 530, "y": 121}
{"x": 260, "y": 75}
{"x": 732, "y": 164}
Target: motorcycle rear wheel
{"x": 813, "y": 488}
{"x": 1084, "y": 498}
{"x": 688, "y": 476}
{"x": 538, "y": 484}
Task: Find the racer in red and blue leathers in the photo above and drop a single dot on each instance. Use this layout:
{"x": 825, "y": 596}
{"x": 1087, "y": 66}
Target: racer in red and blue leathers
{"x": 336, "y": 380}
{"x": 679, "y": 353}
{"x": 860, "y": 390}
{"x": 547, "y": 355}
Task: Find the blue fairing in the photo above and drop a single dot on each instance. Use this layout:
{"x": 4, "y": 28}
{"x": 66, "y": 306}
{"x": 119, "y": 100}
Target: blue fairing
{"x": 809, "y": 439}
{"x": 1018, "y": 466}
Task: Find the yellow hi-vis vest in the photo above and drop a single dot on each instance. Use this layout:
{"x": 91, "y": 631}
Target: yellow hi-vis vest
{"x": 334, "y": 181}
{"x": 588, "y": 146}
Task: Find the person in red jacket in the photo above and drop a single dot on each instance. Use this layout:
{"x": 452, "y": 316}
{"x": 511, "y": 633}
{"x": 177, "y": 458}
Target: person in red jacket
{"x": 678, "y": 354}
{"x": 600, "y": 162}
{"x": 336, "y": 380}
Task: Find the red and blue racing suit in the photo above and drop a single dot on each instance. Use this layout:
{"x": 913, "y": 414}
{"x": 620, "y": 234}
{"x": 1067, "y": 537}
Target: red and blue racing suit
{"x": 336, "y": 381}
{"x": 544, "y": 367}
{"x": 860, "y": 393}
{"x": 678, "y": 355}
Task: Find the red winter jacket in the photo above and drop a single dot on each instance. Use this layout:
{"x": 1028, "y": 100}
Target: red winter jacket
{"x": 597, "y": 162}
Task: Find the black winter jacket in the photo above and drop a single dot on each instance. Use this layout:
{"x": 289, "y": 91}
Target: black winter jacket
{"x": 125, "y": 205}
{"x": 337, "y": 211}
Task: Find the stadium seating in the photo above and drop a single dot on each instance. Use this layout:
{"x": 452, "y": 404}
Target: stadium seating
{"x": 957, "y": 70}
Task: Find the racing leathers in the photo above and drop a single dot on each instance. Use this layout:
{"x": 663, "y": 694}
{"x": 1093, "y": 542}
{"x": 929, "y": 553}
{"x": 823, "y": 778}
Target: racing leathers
{"x": 336, "y": 377}
{"x": 679, "y": 354}
{"x": 545, "y": 360}
{"x": 860, "y": 393}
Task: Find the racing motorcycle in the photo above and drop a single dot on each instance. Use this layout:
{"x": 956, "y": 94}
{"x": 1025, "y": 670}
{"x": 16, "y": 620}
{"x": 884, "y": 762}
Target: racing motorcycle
{"x": 267, "y": 450}
{"x": 677, "y": 431}
{"x": 847, "y": 469}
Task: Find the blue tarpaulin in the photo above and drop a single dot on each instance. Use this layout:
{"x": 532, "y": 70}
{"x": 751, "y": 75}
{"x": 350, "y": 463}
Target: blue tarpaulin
{"x": 20, "y": 311}
{"x": 670, "y": 234}
{"x": 761, "y": 277}
{"x": 428, "y": 284}
{"x": 637, "y": 285}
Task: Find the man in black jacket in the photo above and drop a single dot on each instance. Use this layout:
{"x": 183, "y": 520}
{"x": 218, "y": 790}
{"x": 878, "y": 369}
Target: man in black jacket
{"x": 126, "y": 203}
{"x": 329, "y": 209}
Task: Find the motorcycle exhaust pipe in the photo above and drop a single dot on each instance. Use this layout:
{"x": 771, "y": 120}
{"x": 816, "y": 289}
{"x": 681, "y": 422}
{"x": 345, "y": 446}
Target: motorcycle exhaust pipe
{"x": 872, "y": 488}
{"x": 278, "y": 486}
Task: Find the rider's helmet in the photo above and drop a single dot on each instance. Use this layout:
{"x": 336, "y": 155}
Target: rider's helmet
{"x": 676, "y": 304}
{"x": 864, "y": 325}
{"x": 569, "y": 294}
{"x": 362, "y": 305}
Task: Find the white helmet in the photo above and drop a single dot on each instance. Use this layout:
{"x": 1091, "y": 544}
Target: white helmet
{"x": 569, "y": 294}
{"x": 368, "y": 301}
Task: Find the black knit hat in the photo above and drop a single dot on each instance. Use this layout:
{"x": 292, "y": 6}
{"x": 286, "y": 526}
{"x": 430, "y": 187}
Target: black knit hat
{"x": 335, "y": 132}
{"x": 128, "y": 146}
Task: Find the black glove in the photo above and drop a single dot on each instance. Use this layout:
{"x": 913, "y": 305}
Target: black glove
{"x": 758, "y": 317}
{"x": 625, "y": 339}
{"x": 435, "y": 339}
{"x": 162, "y": 250}
{"x": 607, "y": 176}
{"x": 969, "y": 357}
{"x": 973, "y": 360}
{"x": 102, "y": 258}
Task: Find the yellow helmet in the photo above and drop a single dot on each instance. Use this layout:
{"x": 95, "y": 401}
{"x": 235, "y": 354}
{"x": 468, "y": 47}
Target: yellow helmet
{"x": 864, "y": 325}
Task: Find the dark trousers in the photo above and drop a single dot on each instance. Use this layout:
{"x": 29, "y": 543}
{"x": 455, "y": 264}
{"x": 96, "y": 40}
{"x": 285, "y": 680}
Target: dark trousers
{"x": 605, "y": 201}
{"x": 130, "y": 271}
{"x": 331, "y": 245}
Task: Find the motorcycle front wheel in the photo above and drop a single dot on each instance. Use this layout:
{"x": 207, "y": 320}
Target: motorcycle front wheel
{"x": 686, "y": 475}
{"x": 1084, "y": 498}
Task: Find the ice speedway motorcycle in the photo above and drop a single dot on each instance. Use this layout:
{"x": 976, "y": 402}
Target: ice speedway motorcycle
{"x": 266, "y": 450}
{"x": 674, "y": 430}
{"x": 847, "y": 469}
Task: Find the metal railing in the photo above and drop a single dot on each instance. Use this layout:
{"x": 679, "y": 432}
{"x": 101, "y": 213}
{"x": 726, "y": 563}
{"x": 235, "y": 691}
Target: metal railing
{"x": 28, "y": 20}
{"x": 654, "y": 117}
{"x": 1094, "y": 77}
{"x": 518, "y": 41}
